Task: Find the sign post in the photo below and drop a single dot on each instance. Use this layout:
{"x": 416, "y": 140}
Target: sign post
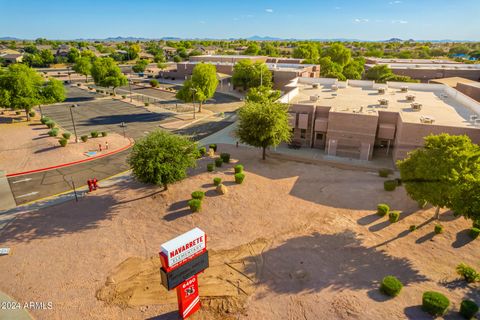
{"x": 183, "y": 258}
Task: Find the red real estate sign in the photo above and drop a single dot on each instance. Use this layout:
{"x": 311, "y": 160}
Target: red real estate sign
{"x": 182, "y": 259}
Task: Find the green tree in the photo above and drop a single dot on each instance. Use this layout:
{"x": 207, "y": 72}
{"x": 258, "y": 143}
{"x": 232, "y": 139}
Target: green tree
{"x": 252, "y": 49}
{"x": 202, "y": 85}
{"x": 338, "y": 53}
{"x": 73, "y": 55}
{"x": 140, "y": 66}
{"x": 83, "y": 66}
{"x": 437, "y": 172}
{"x": 132, "y": 51}
{"x": 262, "y": 94}
{"x": 106, "y": 73}
{"x": 308, "y": 51}
{"x": 248, "y": 74}
{"x": 162, "y": 158}
{"x": 21, "y": 87}
{"x": 382, "y": 73}
{"x": 330, "y": 69}
{"x": 263, "y": 124}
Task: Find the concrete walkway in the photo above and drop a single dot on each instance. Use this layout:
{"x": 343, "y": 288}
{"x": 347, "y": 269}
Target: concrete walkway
{"x": 15, "y": 310}
{"x": 6, "y": 197}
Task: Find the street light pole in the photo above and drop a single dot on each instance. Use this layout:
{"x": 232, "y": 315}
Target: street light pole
{"x": 130, "y": 86}
{"x": 73, "y": 123}
{"x": 193, "y": 99}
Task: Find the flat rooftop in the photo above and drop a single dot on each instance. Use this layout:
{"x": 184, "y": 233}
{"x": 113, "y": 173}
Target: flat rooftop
{"x": 436, "y": 104}
{"x": 431, "y": 66}
{"x": 427, "y": 61}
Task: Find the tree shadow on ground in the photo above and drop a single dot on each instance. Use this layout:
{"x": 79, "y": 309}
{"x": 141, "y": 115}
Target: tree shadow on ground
{"x": 334, "y": 261}
{"x": 462, "y": 238}
{"x": 425, "y": 238}
{"x": 404, "y": 233}
{"x": 381, "y": 225}
{"x": 178, "y": 210}
{"x": 46, "y": 149}
{"x": 371, "y": 218}
{"x": 416, "y": 313}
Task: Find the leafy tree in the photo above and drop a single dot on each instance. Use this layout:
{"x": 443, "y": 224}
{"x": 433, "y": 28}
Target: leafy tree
{"x": 307, "y": 51}
{"x": 162, "y": 158}
{"x": 106, "y": 73}
{"x": 132, "y": 51}
{"x": 177, "y": 58}
{"x": 21, "y": 87}
{"x": 140, "y": 66}
{"x": 73, "y": 55}
{"x": 248, "y": 74}
{"x": 252, "y": 49}
{"x": 159, "y": 57}
{"x": 269, "y": 49}
{"x": 263, "y": 124}
{"x": 263, "y": 94}
{"x": 338, "y": 53}
{"x": 382, "y": 73}
{"x": 88, "y": 53}
{"x": 438, "y": 172}
{"x": 83, "y": 65}
{"x": 330, "y": 69}
{"x": 202, "y": 85}
{"x": 47, "y": 57}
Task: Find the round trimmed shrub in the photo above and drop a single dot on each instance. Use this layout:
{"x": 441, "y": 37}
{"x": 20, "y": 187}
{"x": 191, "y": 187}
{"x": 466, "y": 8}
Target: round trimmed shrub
{"x": 94, "y": 134}
{"x": 474, "y": 233}
{"x": 389, "y": 185}
{"x": 147, "y": 104}
{"x": 393, "y": 216}
{"x": 17, "y": 113}
{"x": 32, "y": 114}
{"x": 154, "y": 83}
{"x": 195, "y": 205}
{"x": 104, "y": 133}
{"x": 412, "y": 228}
{"x": 239, "y": 177}
{"x": 63, "y": 142}
{"x": 384, "y": 172}
{"x": 467, "y": 273}
{"x": 434, "y": 303}
{"x": 238, "y": 168}
{"x": 66, "y": 135}
{"x": 50, "y": 124}
{"x": 210, "y": 167}
{"x": 213, "y": 146}
{"x": 203, "y": 151}
{"x": 438, "y": 229}
{"x": 44, "y": 120}
{"x": 198, "y": 195}
{"x": 391, "y": 286}
{"x": 84, "y": 138}
{"x": 225, "y": 157}
{"x": 53, "y": 132}
{"x": 218, "y": 162}
{"x": 468, "y": 309}
{"x": 217, "y": 181}
{"x": 383, "y": 209}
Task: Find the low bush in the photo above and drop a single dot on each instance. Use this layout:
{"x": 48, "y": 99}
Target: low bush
{"x": 94, "y": 134}
{"x": 195, "y": 205}
{"x": 225, "y": 157}
{"x": 104, "y": 133}
{"x": 202, "y": 151}
{"x": 238, "y": 168}
{"x": 66, "y": 135}
{"x": 391, "y": 286}
{"x": 434, "y": 303}
{"x": 218, "y": 162}
{"x": 198, "y": 195}
{"x": 32, "y": 114}
{"x": 412, "y": 228}
{"x": 217, "y": 181}
{"x": 154, "y": 83}
{"x": 84, "y": 138}
{"x": 389, "y": 185}
{"x": 468, "y": 309}
{"x": 44, "y": 120}
{"x": 78, "y": 84}
{"x": 393, "y": 216}
{"x": 53, "y": 132}
{"x": 467, "y": 273}
{"x": 213, "y": 146}
{"x": 210, "y": 167}
{"x": 399, "y": 182}
{"x": 124, "y": 96}
{"x": 50, "y": 124}
{"x": 476, "y": 223}
{"x": 474, "y": 233}
{"x": 384, "y": 172}
{"x": 17, "y": 113}
{"x": 63, "y": 142}
{"x": 239, "y": 177}
{"x": 438, "y": 229}
{"x": 147, "y": 104}
{"x": 383, "y": 209}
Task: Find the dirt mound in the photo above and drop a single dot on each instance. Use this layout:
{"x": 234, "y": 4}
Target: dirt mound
{"x": 224, "y": 286}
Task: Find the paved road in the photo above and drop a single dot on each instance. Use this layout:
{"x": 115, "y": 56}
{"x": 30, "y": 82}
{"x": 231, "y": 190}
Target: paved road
{"x": 98, "y": 115}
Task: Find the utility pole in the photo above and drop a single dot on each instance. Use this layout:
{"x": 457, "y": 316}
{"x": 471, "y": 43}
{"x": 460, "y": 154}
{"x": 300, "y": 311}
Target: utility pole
{"x": 193, "y": 99}
{"x": 130, "y": 87}
{"x": 73, "y": 123}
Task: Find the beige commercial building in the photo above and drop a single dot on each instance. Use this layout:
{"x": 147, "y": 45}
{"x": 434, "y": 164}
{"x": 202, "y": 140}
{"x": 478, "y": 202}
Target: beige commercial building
{"x": 364, "y": 120}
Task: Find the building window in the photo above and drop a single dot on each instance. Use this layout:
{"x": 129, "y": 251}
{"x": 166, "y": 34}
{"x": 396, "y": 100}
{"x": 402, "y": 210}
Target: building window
{"x": 303, "y": 133}
{"x": 319, "y": 136}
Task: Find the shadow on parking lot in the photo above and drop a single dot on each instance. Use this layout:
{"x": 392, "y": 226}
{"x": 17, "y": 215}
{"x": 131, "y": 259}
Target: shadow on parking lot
{"x": 127, "y": 118}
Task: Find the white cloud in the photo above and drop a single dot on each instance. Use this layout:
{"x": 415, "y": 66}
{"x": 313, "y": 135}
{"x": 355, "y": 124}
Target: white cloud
{"x": 337, "y": 8}
{"x": 358, "y": 20}
{"x": 399, "y": 21}
{"x": 269, "y": 10}
{"x": 201, "y": 22}
{"x": 395, "y": 2}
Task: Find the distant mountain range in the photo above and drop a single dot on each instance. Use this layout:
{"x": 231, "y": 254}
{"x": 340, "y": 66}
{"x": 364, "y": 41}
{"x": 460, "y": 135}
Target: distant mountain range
{"x": 252, "y": 38}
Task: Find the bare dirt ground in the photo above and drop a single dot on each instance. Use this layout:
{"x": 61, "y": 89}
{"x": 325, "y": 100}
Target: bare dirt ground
{"x": 27, "y": 146}
{"x": 294, "y": 241}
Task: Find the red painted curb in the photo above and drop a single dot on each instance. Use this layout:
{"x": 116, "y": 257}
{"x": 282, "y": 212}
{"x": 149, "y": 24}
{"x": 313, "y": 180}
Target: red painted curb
{"x": 70, "y": 163}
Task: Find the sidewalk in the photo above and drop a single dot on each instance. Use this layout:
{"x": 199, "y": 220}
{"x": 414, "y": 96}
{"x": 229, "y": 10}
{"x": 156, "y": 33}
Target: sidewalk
{"x": 13, "y": 310}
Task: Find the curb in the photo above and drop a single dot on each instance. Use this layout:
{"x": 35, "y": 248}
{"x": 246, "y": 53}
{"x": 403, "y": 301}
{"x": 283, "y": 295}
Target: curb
{"x": 71, "y": 163}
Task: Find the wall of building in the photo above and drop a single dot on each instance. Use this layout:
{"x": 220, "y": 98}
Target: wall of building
{"x": 429, "y": 74}
{"x": 470, "y": 90}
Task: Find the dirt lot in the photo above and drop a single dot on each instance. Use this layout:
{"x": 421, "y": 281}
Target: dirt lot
{"x": 26, "y": 146}
{"x": 294, "y": 241}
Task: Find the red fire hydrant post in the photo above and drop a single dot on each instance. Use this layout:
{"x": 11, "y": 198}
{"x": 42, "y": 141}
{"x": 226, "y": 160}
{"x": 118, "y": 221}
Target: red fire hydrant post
{"x": 90, "y": 185}
{"x": 99, "y": 147}
{"x": 94, "y": 182}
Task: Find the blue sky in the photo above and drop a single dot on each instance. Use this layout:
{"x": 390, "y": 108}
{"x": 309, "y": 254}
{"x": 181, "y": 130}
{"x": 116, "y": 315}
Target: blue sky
{"x": 306, "y": 19}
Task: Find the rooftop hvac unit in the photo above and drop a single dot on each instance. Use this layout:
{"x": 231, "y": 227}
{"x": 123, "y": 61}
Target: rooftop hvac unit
{"x": 381, "y": 90}
{"x": 315, "y": 85}
{"x": 314, "y": 98}
{"x": 473, "y": 117}
{"x": 477, "y": 122}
